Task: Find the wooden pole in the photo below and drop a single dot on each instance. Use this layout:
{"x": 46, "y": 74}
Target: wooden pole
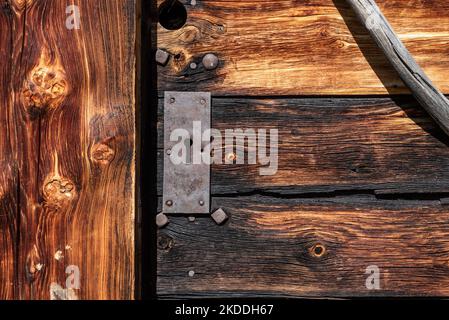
{"x": 433, "y": 101}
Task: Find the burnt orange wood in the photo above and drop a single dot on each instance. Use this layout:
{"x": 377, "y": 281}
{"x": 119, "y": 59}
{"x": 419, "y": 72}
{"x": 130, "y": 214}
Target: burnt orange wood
{"x": 68, "y": 112}
{"x": 299, "y": 47}
{"x": 269, "y": 248}
{"x": 9, "y": 192}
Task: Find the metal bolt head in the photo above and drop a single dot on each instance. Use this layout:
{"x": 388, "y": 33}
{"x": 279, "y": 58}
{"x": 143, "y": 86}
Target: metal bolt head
{"x": 169, "y": 203}
{"x": 193, "y": 66}
{"x": 219, "y": 216}
{"x": 161, "y": 220}
{"x": 210, "y": 61}
{"x": 162, "y": 57}
{"x": 201, "y": 202}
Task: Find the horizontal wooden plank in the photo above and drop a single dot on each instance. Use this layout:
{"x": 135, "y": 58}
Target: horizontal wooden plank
{"x": 385, "y": 145}
{"x": 294, "y": 48}
{"x": 269, "y": 248}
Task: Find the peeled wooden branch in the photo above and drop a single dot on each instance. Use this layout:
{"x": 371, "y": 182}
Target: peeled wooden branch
{"x": 433, "y": 101}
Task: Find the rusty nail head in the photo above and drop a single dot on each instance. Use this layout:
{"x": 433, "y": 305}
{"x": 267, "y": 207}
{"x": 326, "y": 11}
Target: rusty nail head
{"x": 162, "y": 57}
{"x": 210, "y": 61}
{"x": 169, "y": 203}
{"x": 219, "y": 216}
{"x": 161, "y": 220}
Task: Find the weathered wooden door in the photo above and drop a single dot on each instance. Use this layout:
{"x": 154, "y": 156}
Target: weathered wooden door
{"x": 357, "y": 204}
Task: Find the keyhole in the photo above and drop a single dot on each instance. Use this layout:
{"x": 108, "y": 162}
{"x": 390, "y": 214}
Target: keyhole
{"x": 172, "y": 14}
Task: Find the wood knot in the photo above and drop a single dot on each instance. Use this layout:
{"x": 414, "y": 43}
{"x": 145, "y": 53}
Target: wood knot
{"x": 102, "y": 153}
{"x": 33, "y": 265}
{"x": 324, "y": 32}
{"x": 58, "y": 191}
{"x": 22, "y": 4}
{"x": 164, "y": 242}
{"x": 7, "y": 9}
{"x": 44, "y": 89}
{"x": 190, "y": 34}
{"x": 180, "y": 61}
{"x": 318, "y": 250}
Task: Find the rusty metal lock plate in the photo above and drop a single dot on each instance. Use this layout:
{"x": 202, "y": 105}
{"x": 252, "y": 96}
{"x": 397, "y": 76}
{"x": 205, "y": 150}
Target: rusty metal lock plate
{"x": 186, "y": 188}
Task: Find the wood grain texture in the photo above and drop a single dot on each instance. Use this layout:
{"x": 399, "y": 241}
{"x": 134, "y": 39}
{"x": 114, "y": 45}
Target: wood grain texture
{"x": 379, "y": 145}
{"x": 8, "y": 164}
{"x": 268, "y": 249}
{"x": 300, "y": 48}
{"x": 432, "y": 100}
{"x": 69, "y": 114}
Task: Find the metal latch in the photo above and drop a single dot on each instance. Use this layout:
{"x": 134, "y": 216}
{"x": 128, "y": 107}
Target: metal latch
{"x": 187, "y": 117}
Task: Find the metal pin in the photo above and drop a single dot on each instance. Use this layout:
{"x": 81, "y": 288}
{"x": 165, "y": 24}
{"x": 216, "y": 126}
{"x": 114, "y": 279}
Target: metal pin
{"x": 210, "y": 61}
{"x": 219, "y": 216}
{"x": 161, "y": 220}
{"x": 162, "y": 57}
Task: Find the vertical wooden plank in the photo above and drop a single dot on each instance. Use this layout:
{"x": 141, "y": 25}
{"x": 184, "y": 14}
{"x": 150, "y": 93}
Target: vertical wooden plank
{"x": 8, "y": 172}
{"x": 75, "y": 103}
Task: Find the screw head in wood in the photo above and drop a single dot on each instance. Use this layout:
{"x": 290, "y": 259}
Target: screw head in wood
{"x": 169, "y": 203}
{"x": 162, "y": 57}
{"x": 210, "y": 61}
{"x": 161, "y": 220}
{"x": 219, "y": 216}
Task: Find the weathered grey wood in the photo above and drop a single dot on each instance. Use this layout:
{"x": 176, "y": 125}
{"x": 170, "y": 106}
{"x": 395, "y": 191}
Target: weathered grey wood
{"x": 410, "y": 72}
{"x": 375, "y": 145}
{"x": 267, "y": 249}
